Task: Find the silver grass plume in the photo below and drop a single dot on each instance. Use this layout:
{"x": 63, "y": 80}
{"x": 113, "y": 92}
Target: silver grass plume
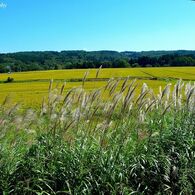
{"x": 84, "y": 78}
{"x": 98, "y": 71}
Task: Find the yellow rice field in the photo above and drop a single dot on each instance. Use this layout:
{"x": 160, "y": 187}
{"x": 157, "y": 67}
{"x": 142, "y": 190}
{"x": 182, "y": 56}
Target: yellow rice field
{"x": 172, "y": 73}
{"x": 73, "y": 74}
{"x": 29, "y": 88}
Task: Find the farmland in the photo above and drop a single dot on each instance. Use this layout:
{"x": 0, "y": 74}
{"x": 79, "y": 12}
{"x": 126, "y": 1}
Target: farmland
{"x": 106, "y": 137}
{"x": 108, "y": 131}
{"x": 29, "y": 88}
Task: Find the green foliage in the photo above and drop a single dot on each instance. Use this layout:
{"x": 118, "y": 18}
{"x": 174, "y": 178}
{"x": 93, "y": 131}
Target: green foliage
{"x": 52, "y": 165}
{"x": 9, "y": 80}
{"x": 29, "y": 61}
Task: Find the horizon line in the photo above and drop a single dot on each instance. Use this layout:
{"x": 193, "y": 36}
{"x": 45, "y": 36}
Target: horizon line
{"x": 136, "y": 51}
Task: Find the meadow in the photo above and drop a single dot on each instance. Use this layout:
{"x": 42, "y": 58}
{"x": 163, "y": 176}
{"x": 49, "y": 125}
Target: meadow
{"x": 96, "y": 135}
{"x": 30, "y": 87}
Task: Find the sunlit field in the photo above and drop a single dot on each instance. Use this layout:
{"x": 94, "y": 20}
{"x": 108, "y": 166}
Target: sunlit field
{"x": 178, "y": 72}
{"x": 29, "y": 88}
{"x": 172, "y": 73}
{"x": 74, "y": 74}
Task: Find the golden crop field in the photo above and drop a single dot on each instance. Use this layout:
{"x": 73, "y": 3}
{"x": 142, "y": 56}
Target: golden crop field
{"x": 172, "y": 73}
{"x": 73, "y": 74}
{"x": 29, "y": 88}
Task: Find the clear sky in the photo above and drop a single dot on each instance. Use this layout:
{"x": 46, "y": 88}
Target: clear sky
{"x": 133, "y": 25}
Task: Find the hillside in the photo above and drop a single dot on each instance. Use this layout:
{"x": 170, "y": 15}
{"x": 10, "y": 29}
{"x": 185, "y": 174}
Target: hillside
{"x": 28, "y": 61}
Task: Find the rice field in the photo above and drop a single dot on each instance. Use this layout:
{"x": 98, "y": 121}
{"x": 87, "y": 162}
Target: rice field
{"x": 29, "y": 88}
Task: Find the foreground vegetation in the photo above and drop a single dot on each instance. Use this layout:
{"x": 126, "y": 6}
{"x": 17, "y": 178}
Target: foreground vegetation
{"x": 82, "y": 143}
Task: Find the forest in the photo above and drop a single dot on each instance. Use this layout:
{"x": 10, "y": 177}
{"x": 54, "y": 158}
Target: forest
{"x": 78, "y": 59}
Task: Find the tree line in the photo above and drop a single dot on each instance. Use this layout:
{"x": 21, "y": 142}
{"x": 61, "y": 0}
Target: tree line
{"x": 50, "y": 60}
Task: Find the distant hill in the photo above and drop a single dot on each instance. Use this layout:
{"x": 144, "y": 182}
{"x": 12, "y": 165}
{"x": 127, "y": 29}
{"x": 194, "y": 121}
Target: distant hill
{"x": 133, "y": 54}
{"x": 38, "y": 60}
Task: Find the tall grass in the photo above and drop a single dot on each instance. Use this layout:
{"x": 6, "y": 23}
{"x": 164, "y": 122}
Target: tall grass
{"x": 83, "y": 143}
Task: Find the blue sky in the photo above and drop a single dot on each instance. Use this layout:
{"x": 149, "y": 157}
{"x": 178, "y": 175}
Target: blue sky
{"x": 121, "y": 25}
